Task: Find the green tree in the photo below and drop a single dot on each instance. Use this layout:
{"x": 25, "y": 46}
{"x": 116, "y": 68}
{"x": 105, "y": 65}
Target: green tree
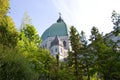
{"x": 8, "y": 33}
{"x": 76, "y": 45}
{"x": 105, "y": 59}
{"x": 21, "y": 57}
{"x": 95, "y": 38}
{"x": 14, "y": 65}
{"x": 116, "y": 21}
{"x": 29, "y": 38}
{"x": 4, "y": 7}
{"x": 83, "y": 39}
{"x": 42, "y": 63}
{"x": 94, "y": 33}
{"x": 86, "y": 58}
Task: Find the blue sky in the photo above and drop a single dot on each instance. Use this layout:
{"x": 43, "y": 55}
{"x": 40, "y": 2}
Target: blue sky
{"x": 42, "y": 12}
{"x": 83, "y": 14}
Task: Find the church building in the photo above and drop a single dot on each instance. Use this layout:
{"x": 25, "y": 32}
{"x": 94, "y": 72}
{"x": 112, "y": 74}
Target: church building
{"x": 56, "y": 39}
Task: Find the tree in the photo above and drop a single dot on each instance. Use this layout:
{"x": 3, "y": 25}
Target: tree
{"x": 4, "y": 7}
{"x": 8, "y": 33}
{"x": 29, "y": 38}
{"x": 76, "y": 45}
{"x": 87, "y": 57}
{"x": 105, "y": 58}
{"x": 14, "y": 65}
{"x": 43, "y": 64}
{"x": 83, "y": 39}
{"x": 94, "y": 33}
{"x": 25, "y": 20}
{"x": 21, "y": 57}
{"x": 31, "y": 34}
{"x": 116, "y": 21}
{"x": 95, "y": 39}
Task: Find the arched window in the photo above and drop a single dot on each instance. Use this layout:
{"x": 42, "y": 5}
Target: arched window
{"x": 56, "y": 50}
{"x": 64, "y": 43}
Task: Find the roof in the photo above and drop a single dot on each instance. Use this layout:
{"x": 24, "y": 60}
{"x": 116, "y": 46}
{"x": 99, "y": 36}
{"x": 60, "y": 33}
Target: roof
{"x": 57, "y": 29}
{"x": 56, "y": 41}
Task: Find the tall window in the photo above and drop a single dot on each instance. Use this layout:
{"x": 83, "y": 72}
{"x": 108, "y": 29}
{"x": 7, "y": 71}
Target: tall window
{"x": 56, "y": 50}
{"x": 64, "y": 43}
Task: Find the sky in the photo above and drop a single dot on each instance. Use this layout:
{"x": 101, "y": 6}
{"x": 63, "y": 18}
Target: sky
{"x": 82, "y": 14}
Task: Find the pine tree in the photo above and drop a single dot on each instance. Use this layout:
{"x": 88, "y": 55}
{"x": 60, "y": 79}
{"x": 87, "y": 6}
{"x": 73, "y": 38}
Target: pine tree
{"x": 116, "y": 21}
{"x": 106, "y": 60}
{"x": 76, "y": 45}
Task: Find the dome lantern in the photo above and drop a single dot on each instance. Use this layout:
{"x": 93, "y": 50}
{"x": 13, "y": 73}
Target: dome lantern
{"x": 60, "y": 19}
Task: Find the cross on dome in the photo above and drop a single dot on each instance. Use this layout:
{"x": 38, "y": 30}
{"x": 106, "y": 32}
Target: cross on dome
{"x": 59, "y": 14}
{"x": 60, "y": 19}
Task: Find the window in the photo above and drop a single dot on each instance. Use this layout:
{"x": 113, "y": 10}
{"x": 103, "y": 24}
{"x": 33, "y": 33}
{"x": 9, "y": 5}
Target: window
{"x": 64, "y": 43}
{"x": 56, "y": 50}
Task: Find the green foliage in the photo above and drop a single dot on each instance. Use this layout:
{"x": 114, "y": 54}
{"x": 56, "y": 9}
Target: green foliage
{"x": 8, "y": 33}
{"x": 74, "y": 55}
{"x": 29, "y": 39}
{"x": 94, "y": 33}
{"x": 83, "y": 39}
{"x": 42, "y": 63}
{"x": 105, "y": 59}
{"x": 31, "y": 34}
{"x": 65, "y": 72}
{"x": 22, "y": 58}
{"x": 13, "y": 65}
{"x": 4, "y": 7}
{"x": 116, "y": 21}
{"x": 75, "y": 40}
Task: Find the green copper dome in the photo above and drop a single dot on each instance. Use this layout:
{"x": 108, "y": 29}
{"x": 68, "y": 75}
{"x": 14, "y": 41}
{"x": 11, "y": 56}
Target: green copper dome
{"x": 57, "y": 29}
